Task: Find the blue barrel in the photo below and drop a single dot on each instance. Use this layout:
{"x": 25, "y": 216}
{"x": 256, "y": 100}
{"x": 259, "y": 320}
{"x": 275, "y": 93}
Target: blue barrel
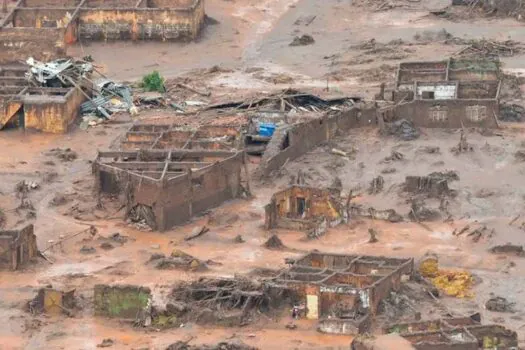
{"x": 266, "y": 129}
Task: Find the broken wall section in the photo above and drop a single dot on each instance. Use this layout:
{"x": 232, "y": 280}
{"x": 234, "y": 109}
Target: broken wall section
{"x": 306, "y": 209}
{"x": 291, "y": 142}
{"x": 171, "y": 186}
{"x": 18, "y": 43}
{"x": 17, "y": 247}
{"x": 125, "y": 302}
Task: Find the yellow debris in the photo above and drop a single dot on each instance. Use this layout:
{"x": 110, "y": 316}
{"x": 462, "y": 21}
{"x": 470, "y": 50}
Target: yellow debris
{"x": 454, "y": 283}
{"x": 429, "y": 267}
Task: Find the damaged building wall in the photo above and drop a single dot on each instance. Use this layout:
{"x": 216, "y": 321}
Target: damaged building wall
{"x": 301, "y": 202}
{"x": 52, "y": 113}
{"x": 344, "y": 296}
{"x": 360, "y": 325}
{"x": 125, "y": 302}
{"x": 450, "y": 113}
{"x": 44, "y": 44}
{"x": 294, "y": 141}
{"x": 26, "y": 29}
{"x": 141, "y": 24}
{"x": 17, "y": 247}
{"x": 188, "y": 188}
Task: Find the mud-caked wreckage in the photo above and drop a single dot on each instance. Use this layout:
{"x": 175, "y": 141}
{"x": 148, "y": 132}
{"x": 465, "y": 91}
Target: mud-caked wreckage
{"x": 165, "y": 174}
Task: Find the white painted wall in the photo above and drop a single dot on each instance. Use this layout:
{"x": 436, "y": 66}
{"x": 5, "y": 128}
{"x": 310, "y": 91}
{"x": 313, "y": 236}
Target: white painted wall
{"x": 441, "y": 92}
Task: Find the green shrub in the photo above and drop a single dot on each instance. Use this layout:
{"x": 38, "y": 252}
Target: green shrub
{"x": 153, "y": 82}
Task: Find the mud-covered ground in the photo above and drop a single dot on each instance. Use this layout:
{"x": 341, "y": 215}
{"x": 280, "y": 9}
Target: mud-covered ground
{"x": 251, "y": 45}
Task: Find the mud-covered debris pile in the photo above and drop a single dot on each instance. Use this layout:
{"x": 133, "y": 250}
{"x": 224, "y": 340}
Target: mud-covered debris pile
{"x": 420, "y": 212}
{"x": 177, "y": 261}
{"x": 487, "y": 48}
{"x": 433, "y": 185}
{"x": 511, "y": 113}
{"x": 389, "y": 215}
{"x": 508, "y": 249}
{"x": 274, "y": 242}
{"x": 499, "y": 304}
{"x": 402, "y": 129}
{"x": 302, "y": 40}
{"x": 231, "y": 345}
{"x": 65, "y": 155}
{"x": 229, "y": 302}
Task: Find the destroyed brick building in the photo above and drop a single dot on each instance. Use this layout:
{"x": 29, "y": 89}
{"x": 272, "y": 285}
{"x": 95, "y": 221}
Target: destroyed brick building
{"x": 452, "y": 93}
{"x": 44, "y": 28}
{"x": 455, "y": 333}
{"x": 306, "y": 209}
{"x": 24, "y": 105}
{"x": 344, "y": 291}
{"x": 166, "y": 188}
{"x": 17, "y": 247}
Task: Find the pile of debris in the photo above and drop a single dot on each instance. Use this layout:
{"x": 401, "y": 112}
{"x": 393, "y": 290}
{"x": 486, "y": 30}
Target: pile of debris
{"x": 109, "y": 97}
{"x": 419, "y": 212}
{"x": 230, "y": 302}
{"x": 389, "y": 215}
{"x": 476, "y": 234}
{"x": 500, "y": 304}
{"x": 290, "y": 100}
{"x": 104, "y": 97}
{"x": 402, "y": 129}
{"x": 302, "y": 40}
{"x": 58, "y": 73}
{"x": 511, "y": 113}
{"x": 233, "y": 345}
{"x": 487, "y": 48}
{"x": 274, "y": 242}
{"x": 452, "y": 283}
{"x": 178, "y": 260}
{"x": 433, "y": 185}
{"x": 64, "y": 154}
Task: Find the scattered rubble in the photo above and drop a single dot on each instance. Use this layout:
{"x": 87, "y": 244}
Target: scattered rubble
{"x": 302, "y": 40}
{"x": 520, "y": 155}
{"x": 376, "y": 185}
{"x": 59, "y": 73}
{"x": 59, "y": 199}
{"x": 433, "y": 185}
{"x": 232, "y": 345}
{"x": 492, "y": 49}
{"x": 106, "y": 343}
{"x": 394, "y": 156}
{"x": 419, "y": 212}
{"x": 274, "y": 242}
{"x": 402, "y": 129}
{"x": 65, "y": 155}
{"x": 389, "y": 215}
{"x": 429, "y": 149}
{"x": 512, "y": 113}
{"x": 499, "y": 304}
{"x": 88, "y": 250}
{"x": 508, "y": 249}
{"x": 238, "y": 239}
{"x": 177, "y": 261}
